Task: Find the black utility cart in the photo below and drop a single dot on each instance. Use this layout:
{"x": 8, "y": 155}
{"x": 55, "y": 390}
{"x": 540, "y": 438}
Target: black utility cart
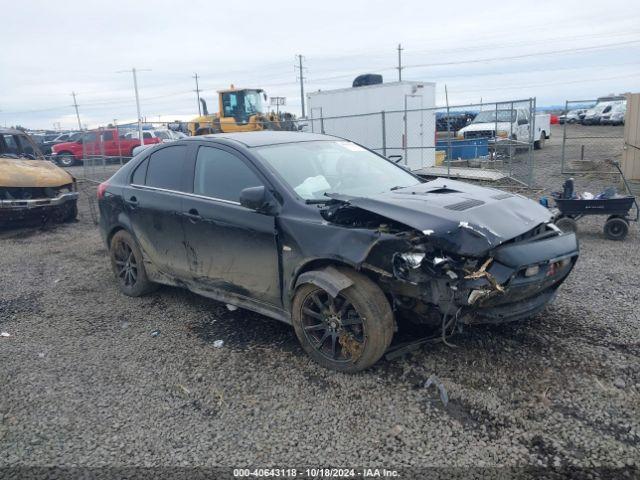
{"x": 616, "y": 208}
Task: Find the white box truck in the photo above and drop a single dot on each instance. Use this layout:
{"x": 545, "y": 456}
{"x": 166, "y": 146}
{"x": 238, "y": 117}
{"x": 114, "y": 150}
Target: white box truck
{"x": 355, "y": 113}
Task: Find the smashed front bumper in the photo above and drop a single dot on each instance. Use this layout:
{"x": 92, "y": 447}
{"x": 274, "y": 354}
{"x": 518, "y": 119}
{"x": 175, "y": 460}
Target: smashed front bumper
{"x": 35, "y": 208}
{"x": 515, "y": 281}
{"x": 527, "y": 275}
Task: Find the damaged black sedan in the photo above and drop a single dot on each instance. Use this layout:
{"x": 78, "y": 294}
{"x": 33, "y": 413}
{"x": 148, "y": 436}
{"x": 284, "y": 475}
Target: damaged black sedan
{"x": 330, "y": 237}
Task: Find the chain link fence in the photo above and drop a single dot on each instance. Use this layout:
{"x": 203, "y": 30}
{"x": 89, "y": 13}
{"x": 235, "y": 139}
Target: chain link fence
{"x": 592, "y": 136}
{"x": 473, "y": 140}
{"x": 476, "y": 141}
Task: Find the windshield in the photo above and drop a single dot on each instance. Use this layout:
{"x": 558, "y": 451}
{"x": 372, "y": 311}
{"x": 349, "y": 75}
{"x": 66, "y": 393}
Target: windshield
{"x": 242, "y": 104}
{"x": 489, "y": 116}
{"x": 163, "y": 134}
{"x": 313, "y": 169}
{"x": 19, "y": 146}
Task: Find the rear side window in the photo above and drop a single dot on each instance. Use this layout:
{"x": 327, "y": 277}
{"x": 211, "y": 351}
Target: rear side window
{"x": 140, "y": 173}
{"x": 220, "y": 174}
{"x": 166, "y": 167}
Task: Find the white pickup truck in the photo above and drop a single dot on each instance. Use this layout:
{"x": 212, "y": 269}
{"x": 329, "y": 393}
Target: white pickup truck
{"x": 508, "y": 123}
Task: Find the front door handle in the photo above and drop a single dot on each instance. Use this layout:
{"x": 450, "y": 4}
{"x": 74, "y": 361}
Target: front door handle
{"x": 193, "y": 215}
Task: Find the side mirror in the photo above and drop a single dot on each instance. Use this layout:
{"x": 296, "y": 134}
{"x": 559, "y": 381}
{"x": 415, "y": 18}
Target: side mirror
{"x": 523, "y": 121}
{"x": 79, "y": 141}
{"x": 255, "y": 198}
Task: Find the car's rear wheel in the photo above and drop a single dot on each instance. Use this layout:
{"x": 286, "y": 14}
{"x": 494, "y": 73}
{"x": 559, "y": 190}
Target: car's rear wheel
{"x": 347, "y": 333}
{"x": 66, "y": 160}
{"x": 128, "y": 266}
{"x": 539, "y": 144}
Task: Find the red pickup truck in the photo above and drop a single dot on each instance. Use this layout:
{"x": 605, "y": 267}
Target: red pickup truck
{"x": 108, "y": 142}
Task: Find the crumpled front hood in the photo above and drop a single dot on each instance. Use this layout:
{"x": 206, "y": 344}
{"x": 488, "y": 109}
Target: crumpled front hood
{"x": 458, "y": 217}
{"x": 18, "y": 172}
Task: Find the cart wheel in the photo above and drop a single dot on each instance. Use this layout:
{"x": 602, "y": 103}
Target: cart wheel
{"x": 567, "y": 224}
{"x": 616, "y": 228}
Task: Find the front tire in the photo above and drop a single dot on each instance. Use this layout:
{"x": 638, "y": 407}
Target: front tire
{"x": 128, "y": 265}
{"x": 539, "y": 144}
{"x": 347, "y": 333}
{"x": 567, "y": 224}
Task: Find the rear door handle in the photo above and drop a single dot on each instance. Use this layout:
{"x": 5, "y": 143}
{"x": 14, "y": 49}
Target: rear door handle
{"x": 133, "y": 201}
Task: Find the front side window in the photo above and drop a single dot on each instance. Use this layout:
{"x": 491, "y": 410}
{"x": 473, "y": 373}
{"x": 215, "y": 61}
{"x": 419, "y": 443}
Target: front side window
{"x": 313, "y": 169}
{"x": 107, "y": 136}
{"x": 166, "y": 167}
{"x": 146, "y": 135}
{"x": 220, "y": 174}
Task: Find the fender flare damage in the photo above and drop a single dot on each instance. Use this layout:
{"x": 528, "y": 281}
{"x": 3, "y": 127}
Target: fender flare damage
{"x": 329, "y": 279}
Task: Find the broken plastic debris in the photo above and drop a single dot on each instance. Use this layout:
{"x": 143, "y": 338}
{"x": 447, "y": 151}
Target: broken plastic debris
{"x": 155, "y": 333}
{"x": 395, "y": 431}
{"x": 5, "y": 334}
{"x": 433, "y": 380}
{"x": 427, "y": 232}
{"x": 231, "y": 308}
{"x": 218, "y": 343}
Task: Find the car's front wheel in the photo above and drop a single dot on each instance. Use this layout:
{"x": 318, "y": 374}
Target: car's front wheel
{"x": 347, "y": 333}
{"x": 128, "y": 266}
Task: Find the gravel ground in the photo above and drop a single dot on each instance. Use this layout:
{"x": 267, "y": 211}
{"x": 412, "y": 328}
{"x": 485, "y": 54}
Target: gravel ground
{"x": 93, "y": 378}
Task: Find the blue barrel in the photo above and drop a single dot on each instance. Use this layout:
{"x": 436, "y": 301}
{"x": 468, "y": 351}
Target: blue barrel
{"x": 464, "y": 149}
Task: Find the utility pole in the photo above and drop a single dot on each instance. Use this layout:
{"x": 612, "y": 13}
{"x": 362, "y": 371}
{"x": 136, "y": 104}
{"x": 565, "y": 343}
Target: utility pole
{"x": 399, "y": 67}
{"x": 75, "y": 104}
{"x": 197, "y": 90}
{"x": 300, "y": 70}
{"x": 135, "y": 87}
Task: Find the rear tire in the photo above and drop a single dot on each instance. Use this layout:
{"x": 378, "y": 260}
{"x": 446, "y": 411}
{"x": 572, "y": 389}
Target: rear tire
{"x": 349, "y": 333}
{"x": 616, "y": 228}
{"x": 128, "y": 265}
{"x": 539, "y": 144}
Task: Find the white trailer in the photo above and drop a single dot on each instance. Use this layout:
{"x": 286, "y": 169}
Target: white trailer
{"x": 357, "y": 114}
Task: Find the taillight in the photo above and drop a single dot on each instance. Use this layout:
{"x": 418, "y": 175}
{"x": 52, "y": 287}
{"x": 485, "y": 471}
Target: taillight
{"x": 101, "y": 189}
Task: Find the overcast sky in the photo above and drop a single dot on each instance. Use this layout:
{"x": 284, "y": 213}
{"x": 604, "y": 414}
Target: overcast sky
{"x": 493, "y": 51}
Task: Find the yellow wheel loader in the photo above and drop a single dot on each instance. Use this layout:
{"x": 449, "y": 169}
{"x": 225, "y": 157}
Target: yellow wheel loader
{"x": 240, "y": 110}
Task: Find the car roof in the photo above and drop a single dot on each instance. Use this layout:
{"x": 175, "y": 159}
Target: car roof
{"x": 11, "y": 131}
{"x": 263, "y": 138}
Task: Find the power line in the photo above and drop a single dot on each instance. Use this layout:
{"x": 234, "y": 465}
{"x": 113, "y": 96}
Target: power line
{"x": 525, "y": 55}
